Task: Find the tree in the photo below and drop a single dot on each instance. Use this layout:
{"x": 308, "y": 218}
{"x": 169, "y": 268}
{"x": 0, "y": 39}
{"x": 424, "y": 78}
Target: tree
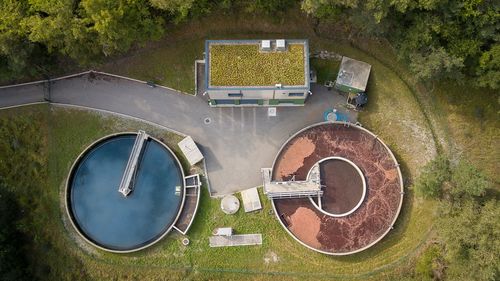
{"x": 429, "y": 265}
{"x": 116, "y": 25}
{"x": 13, "y": 264}
{"x": 470, "y": 233}
{"x": 15, "y": 50}
{"x": 269, "y": 7}
{"x": 436, "y": 38}
{"x": 489, "y": 68}
{"x": 83, "y": 30}
{"x": 430, "y": 181}
{"x": 436, "y": 64}
{"x": 467, "y": 180}
{"x": 179, "y": 8}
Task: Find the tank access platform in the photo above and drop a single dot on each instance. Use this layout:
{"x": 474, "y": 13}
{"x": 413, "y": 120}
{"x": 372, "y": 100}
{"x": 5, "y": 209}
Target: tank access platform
{"x": 127, "y": 182}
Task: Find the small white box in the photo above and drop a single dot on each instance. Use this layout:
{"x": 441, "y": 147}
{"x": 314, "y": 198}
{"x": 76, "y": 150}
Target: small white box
{"x": 281, "y": 45}
{"x": 223, "y": 231}
{"x": 265, "y": 45}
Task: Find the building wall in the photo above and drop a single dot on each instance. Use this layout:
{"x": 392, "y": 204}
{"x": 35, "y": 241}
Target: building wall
{"x": 346, "y": 89}
{"x": 228, "y": 97}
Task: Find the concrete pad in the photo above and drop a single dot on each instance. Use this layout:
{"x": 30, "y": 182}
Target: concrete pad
{"x": 235, "y": 240}
{"x": 190, "y": 150}
{"x": 251, "y": 200}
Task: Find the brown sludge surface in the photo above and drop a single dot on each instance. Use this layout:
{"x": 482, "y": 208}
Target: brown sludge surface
{"x": 379, "y": 208}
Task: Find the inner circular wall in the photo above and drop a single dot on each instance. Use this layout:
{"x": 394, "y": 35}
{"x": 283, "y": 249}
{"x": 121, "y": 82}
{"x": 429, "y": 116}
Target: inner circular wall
{"x": 344, "y": 187}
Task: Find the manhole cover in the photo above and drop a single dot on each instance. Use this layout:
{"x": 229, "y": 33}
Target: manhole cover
{"x": 207, "y": 120}
{"x": 271, "y": 111}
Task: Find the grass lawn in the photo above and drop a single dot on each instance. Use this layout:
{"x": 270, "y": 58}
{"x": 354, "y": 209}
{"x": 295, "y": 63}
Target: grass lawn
{"x": 326, "y": 70}
{"x": 472, "y": 122}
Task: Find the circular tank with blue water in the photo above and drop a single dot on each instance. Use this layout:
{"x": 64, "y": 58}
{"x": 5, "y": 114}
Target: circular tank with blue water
{"x": 111, "y": 220}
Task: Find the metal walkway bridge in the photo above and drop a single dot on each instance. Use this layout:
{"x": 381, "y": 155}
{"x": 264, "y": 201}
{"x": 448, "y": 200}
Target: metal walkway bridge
{"x": 126, "y": 184}
{"x": 292, "y": 188}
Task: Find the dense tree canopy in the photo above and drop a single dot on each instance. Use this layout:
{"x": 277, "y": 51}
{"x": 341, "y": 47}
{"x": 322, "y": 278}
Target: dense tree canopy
{"x": 470, "y": 232}
{"x": 437, "y": 38}
{"x": 82, "y": 30}
{"x": 13, "y": 264}
{"x": 468, "y": 224}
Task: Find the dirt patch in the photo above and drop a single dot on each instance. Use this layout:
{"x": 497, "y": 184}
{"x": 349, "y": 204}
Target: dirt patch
{"x": 271, "y": 257}
{"x": 377, "y": 212}
{"x": 305, "y": 224}
{"x": 295, "y": 159}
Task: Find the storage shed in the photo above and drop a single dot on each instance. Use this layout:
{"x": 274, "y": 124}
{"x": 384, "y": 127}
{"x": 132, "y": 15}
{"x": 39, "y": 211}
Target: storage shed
{"x": 353, "y": 76}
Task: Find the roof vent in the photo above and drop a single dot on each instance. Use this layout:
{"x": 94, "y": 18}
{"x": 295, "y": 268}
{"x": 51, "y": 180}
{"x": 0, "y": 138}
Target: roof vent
{"x": 265, "y": 45}
{"x": 280, "y": 45}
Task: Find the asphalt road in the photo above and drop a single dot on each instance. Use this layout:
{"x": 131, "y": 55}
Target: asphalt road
{"x": 237, "y": 142}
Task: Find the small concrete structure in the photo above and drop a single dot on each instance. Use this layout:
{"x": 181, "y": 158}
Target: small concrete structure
{"x": 251, "y": 200}
{"x": 230, "y": 204}
{"x": 235, "y": 240}
{"x": 353, "y": 76}
{"x": 223, "y": 231}
{"x": 190, "y": 150}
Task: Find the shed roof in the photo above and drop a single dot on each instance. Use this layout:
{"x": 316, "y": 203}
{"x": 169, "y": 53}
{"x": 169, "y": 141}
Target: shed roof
{"x": 354, "y": 73}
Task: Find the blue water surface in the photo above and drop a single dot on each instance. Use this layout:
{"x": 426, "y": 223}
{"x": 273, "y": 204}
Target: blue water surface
{"x": 108, "y": 218}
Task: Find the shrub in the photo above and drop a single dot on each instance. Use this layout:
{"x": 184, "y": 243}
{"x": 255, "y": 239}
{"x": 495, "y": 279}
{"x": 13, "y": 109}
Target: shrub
{"x": 428, "y": 185}
{"x": 428, "y": 263}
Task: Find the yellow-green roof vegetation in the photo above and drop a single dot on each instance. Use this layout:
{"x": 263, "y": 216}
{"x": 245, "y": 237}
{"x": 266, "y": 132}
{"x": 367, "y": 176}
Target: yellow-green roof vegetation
{"x": 246, "y": 65}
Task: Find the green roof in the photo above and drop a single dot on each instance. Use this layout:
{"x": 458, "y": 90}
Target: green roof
{"x": 243, "y": 64}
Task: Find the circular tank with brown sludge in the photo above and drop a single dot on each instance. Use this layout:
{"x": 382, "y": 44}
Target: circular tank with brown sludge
{"x": 361, "y": 182}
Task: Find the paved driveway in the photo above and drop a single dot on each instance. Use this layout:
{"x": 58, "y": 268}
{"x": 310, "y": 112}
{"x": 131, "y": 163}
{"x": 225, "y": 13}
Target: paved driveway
{"x": 27, "y": 94}
{"x": 236, "y": 144}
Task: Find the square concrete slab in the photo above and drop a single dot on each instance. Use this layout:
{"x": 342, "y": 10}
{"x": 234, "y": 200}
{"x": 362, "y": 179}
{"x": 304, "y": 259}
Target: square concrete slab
{"x": 251, "y": 200}
{"x": 190, "y": 150}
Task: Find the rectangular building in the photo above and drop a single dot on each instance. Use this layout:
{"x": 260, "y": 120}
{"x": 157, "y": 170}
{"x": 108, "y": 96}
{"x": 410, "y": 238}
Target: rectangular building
{"x": 353, "y": 76}
{"x": 257, "y": 72}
